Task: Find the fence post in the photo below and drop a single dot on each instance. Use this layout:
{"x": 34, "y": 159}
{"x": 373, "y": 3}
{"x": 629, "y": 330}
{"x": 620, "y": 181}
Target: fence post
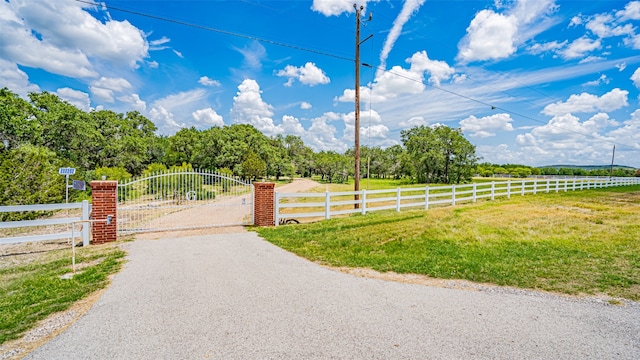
{"x": 493, "y": 190}
{"x": 364, "y": 201}
{"x": 453, "y": 194}
{"x": 475, "y": 193}
{"x": 535, "y": 185}
{"x": 85, "y": 224}
{"x": 276, "y": 209}
{"x": 509, "y": 189}
{"x": 263, "y": 204}
{"x": 557, "y": 184}
{"x": 327, "y": 205}
{"x": 548, "y": 185}
{"x": 398, "y": 194}
{"x": 104, "y": 198}
{"x": 523, "y": 187}
{"x": 426, "y": 197}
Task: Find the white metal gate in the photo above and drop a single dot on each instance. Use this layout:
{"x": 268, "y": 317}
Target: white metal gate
{"x": 183, "y": 199}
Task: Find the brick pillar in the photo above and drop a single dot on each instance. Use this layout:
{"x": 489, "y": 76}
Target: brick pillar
{"x": 263, "y": 214}
{"x": 105, "y": 197}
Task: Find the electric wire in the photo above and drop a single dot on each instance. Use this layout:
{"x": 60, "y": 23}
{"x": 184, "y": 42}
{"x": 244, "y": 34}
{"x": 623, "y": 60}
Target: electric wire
{"x": 220, "y": 31}
{"x": 340, "y": 57}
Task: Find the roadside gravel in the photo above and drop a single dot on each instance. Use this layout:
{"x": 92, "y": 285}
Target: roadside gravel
{"x": 235, "y": 296}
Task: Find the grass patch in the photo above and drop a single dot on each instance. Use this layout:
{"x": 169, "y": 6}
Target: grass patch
{"x": 582, "y": 242}
{"x": 32, "y": 290}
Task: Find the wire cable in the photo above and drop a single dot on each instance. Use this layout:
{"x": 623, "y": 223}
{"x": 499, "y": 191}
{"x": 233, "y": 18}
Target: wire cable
{"x": 225, "y": 32}
{"x": 323, "y": 53}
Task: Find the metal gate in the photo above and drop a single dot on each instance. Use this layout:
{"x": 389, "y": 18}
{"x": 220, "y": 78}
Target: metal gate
{"x": 183, "y": 199}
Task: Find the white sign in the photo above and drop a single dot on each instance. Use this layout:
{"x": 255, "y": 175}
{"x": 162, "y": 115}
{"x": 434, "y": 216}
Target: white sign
{"x": 66, "y": 171}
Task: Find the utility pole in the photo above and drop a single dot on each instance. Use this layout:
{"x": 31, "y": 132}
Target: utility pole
{"x": 612, "y": 160}
{"x": 356, "y": 185}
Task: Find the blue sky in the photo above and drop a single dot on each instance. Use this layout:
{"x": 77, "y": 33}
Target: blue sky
{"x": 536, "y": 82}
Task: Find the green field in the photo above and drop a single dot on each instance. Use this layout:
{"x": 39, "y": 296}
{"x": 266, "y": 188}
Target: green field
{"x": 582, "y": 242}
{"x": 31, "y": 286}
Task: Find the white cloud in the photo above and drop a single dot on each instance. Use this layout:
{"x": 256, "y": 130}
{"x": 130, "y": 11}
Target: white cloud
{"x": 207, "y": 81}
{"x": 629, "y": 134}
{"x": 115, "y": 84}
{"x": 15, "y": 79}
{"x": 322, "y": 136}
{"x": 408, "y": 8}
{"x": 158, "y": 44}
{"x": 104, "y": 88}
{"x": 631, "y": 11}
{"x": 76, "y": 98}
{"x": 174, "y": 112}
{"x": 249, "y": 108}
{"x": 153, "y": 64}
{"x": 585, "y": 103}
{"x": 399, "y": 81}
{"x": 489, "y": 36}
{"x": 636, "y": 78}
{"x": 104, "y": 95}
{"x": 413, "y": 122}
{"x": 552, "y": 46}
{"x": 336, "y": 7}
{"x": 602, "y": 26}
{"x": 291, "y": 126}
{"x": 486, "y": 126}
{"x": 305, "y": 105}
{"x": 579, "y": 48}
{"x": 439, "y": 70}
{"x": 603, "y": 79}
{"x": 178, "y": 53}
{"x": 134, "y": 101}
{"x": 621, "y": 67}
{"x": 164, "y": 120}
{"x": 567, "y": 139}
{"x": 253, "y": 54}
{"x": 309, "y": 74}
{"x": 33, "y": 35}
{"x": 207, "y": 118}
{"x": 493, "y": 36}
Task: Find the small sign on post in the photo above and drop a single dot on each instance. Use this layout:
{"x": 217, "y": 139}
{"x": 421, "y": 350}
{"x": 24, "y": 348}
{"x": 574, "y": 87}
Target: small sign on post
{"x": 78, "y": 185}
{"x": 66, "y": 171}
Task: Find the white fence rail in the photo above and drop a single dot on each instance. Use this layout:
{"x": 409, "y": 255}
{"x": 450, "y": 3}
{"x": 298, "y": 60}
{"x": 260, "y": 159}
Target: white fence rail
{"x": 84, "y": 234}
{"x": 331, "y": 204}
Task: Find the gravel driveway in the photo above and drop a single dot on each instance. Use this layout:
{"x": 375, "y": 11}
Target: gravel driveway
{"x": 235, "y": 296}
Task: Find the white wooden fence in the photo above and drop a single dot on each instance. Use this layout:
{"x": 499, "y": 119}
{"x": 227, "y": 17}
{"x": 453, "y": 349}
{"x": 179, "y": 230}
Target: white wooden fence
{"x": 330, "y": 204}
{"x": 84, "y": 234}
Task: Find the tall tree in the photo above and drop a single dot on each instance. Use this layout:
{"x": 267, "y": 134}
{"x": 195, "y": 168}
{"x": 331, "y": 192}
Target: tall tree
{"x": 439, "y": 154}
{"x": 17, "y": 123}
{"x": 66, "y": 130}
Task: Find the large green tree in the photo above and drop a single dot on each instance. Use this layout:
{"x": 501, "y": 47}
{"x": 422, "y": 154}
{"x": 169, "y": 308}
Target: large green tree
{"x": 29, "y": 175}
{"x": 439, "y": 154}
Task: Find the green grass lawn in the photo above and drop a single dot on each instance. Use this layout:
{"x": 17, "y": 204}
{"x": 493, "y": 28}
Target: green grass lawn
{"x": 32, "y": 289}
{"x": 582, "y": 242}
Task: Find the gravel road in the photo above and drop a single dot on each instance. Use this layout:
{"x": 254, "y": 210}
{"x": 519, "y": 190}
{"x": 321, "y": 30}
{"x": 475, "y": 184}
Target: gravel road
{"x": 235, "y": 296}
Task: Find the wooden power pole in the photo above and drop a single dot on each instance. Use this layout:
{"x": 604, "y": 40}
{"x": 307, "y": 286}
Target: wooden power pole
{"x": 356, "y": 175}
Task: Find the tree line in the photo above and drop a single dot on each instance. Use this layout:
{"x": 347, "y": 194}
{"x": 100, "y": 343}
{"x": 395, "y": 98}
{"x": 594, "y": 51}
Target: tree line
{"x": 43, "y": 133}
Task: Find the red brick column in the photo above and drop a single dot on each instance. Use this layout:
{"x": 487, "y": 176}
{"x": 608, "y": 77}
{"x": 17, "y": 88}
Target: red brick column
{"x": 263, "y": 204}
{"x": 105, "y": 197}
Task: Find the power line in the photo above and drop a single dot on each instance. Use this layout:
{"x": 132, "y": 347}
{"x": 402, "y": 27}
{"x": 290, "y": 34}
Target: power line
{"x": 324, "y": 53}
{"x": 225, "y": 32}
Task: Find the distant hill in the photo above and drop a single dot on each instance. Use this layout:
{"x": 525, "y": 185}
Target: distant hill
{"x": 588, "y": 167}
